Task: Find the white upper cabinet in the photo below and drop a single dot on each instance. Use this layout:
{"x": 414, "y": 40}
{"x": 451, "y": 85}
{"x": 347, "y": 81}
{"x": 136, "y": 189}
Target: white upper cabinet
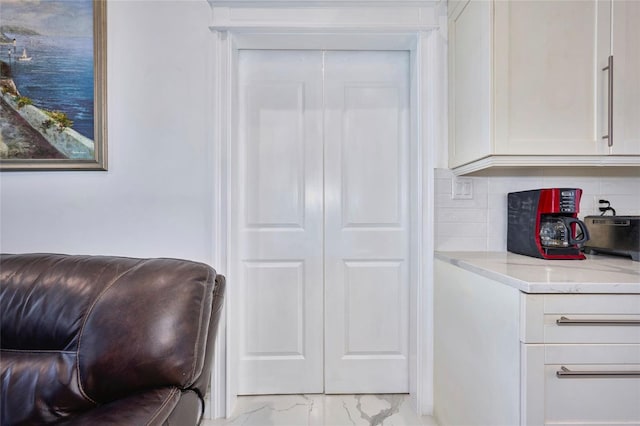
{"x": 527, "y": 85}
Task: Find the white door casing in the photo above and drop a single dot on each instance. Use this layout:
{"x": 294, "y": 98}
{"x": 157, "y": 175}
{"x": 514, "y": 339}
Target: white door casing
{"x": 422, "y": 34}
{"x": 356, "y": 106}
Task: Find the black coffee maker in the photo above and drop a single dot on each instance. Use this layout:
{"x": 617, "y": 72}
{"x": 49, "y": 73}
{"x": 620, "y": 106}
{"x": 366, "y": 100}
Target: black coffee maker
{"x": 544, "y": 223}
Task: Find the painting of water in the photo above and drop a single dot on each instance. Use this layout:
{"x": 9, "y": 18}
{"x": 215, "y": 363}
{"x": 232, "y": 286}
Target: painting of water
{"x": 52, "y": 81}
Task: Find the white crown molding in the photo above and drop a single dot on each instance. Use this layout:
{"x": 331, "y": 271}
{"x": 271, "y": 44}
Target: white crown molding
{"x": 338, "y": 15}
{"x": 324, "y": 3}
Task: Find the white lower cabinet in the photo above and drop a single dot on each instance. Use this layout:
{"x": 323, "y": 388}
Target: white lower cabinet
{"x": 580, "y": 359}
{"x": 576, "y": 359}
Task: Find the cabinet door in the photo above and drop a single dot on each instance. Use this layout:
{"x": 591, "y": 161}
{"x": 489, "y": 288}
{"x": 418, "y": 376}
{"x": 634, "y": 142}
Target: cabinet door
{"x": 625, "y": 48}
{"x": 545, "y": 77}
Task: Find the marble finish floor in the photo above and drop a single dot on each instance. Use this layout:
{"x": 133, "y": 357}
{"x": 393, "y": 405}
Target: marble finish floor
{"x": 324, "y": 410}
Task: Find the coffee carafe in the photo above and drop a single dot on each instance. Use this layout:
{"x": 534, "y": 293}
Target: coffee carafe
{"x": 544, "y": 223}
{"x": 562, "y": 231}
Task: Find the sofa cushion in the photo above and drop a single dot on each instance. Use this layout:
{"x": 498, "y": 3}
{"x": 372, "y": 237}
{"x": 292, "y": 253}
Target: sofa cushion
{"x": 147, "y": 329}
{"x": 45, "y": 297}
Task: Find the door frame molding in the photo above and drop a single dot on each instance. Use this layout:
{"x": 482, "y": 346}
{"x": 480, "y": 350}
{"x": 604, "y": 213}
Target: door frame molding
{"x": 426, "y": 46}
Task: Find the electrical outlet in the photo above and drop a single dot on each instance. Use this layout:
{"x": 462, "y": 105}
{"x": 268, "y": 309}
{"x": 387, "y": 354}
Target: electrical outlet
{"x": 462, "y": 188}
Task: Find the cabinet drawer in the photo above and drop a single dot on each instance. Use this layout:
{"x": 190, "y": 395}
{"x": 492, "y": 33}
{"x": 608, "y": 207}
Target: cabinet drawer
{"x": 581, "y": 384}
{"x": 591, "y": 328}
{"x": 603, "y": 394}
{"x": 554, "y": 318}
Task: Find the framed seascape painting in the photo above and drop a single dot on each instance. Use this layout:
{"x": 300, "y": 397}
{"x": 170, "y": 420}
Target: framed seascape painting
{"x": 53, "y": 103}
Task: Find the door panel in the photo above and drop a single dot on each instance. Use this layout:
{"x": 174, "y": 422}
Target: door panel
{"x": 544, "y": 77}
{"x": 366, "y": 221}
{"x": 276, "y": 115}
{"x": 269, "y": 285}
{"x": 379, "y": 283}
{"x": 369, "y": 161}
{"x": 277, "y": 222}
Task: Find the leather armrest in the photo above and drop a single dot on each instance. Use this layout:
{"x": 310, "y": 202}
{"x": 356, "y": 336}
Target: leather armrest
{"x": 149, "y": 408}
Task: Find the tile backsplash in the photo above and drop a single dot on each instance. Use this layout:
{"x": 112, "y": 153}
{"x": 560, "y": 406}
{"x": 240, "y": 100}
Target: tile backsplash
{"x": 480, "y": 223}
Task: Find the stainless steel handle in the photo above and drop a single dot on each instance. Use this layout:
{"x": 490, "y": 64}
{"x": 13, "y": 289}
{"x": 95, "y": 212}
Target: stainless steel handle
{"x": 609, "y": 136}
{"x": 564, "y": 373}
{"x": 568, "y": 321}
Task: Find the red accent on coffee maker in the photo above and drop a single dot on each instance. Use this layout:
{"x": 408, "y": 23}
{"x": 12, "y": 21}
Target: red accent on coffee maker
{"x": 544, "y": 223}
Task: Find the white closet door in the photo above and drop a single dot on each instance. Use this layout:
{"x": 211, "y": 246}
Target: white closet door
{"x": 366, "y": 222}
{"x": 277, "y": 222}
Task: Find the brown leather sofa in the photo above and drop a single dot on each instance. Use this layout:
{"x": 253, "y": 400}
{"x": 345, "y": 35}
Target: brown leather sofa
{"x": 91, "y": 340}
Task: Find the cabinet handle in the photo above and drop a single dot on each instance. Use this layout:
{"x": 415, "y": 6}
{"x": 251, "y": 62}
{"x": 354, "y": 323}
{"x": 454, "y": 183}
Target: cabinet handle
{"x": 564, "y": 373}
{"x": 567, "y": 321}
{"x": 609, "y": 67}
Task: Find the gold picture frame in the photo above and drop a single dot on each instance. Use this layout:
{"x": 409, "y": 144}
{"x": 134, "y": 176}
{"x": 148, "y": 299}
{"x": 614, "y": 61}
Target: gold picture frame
{"x": 27, "y": 127}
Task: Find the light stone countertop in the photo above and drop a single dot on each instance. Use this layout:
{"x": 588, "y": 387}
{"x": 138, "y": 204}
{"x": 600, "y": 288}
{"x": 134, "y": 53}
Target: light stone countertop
{"x": 596, "y": 274}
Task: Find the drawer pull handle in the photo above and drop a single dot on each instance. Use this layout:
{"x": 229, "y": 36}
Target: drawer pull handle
{"x": 564, "y": 372}
{"x": 567, "y": 321}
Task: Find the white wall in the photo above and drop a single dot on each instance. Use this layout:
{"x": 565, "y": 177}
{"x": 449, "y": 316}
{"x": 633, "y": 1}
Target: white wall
{"x": 156, "y": 198}
{"x": 481, "y": 223}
